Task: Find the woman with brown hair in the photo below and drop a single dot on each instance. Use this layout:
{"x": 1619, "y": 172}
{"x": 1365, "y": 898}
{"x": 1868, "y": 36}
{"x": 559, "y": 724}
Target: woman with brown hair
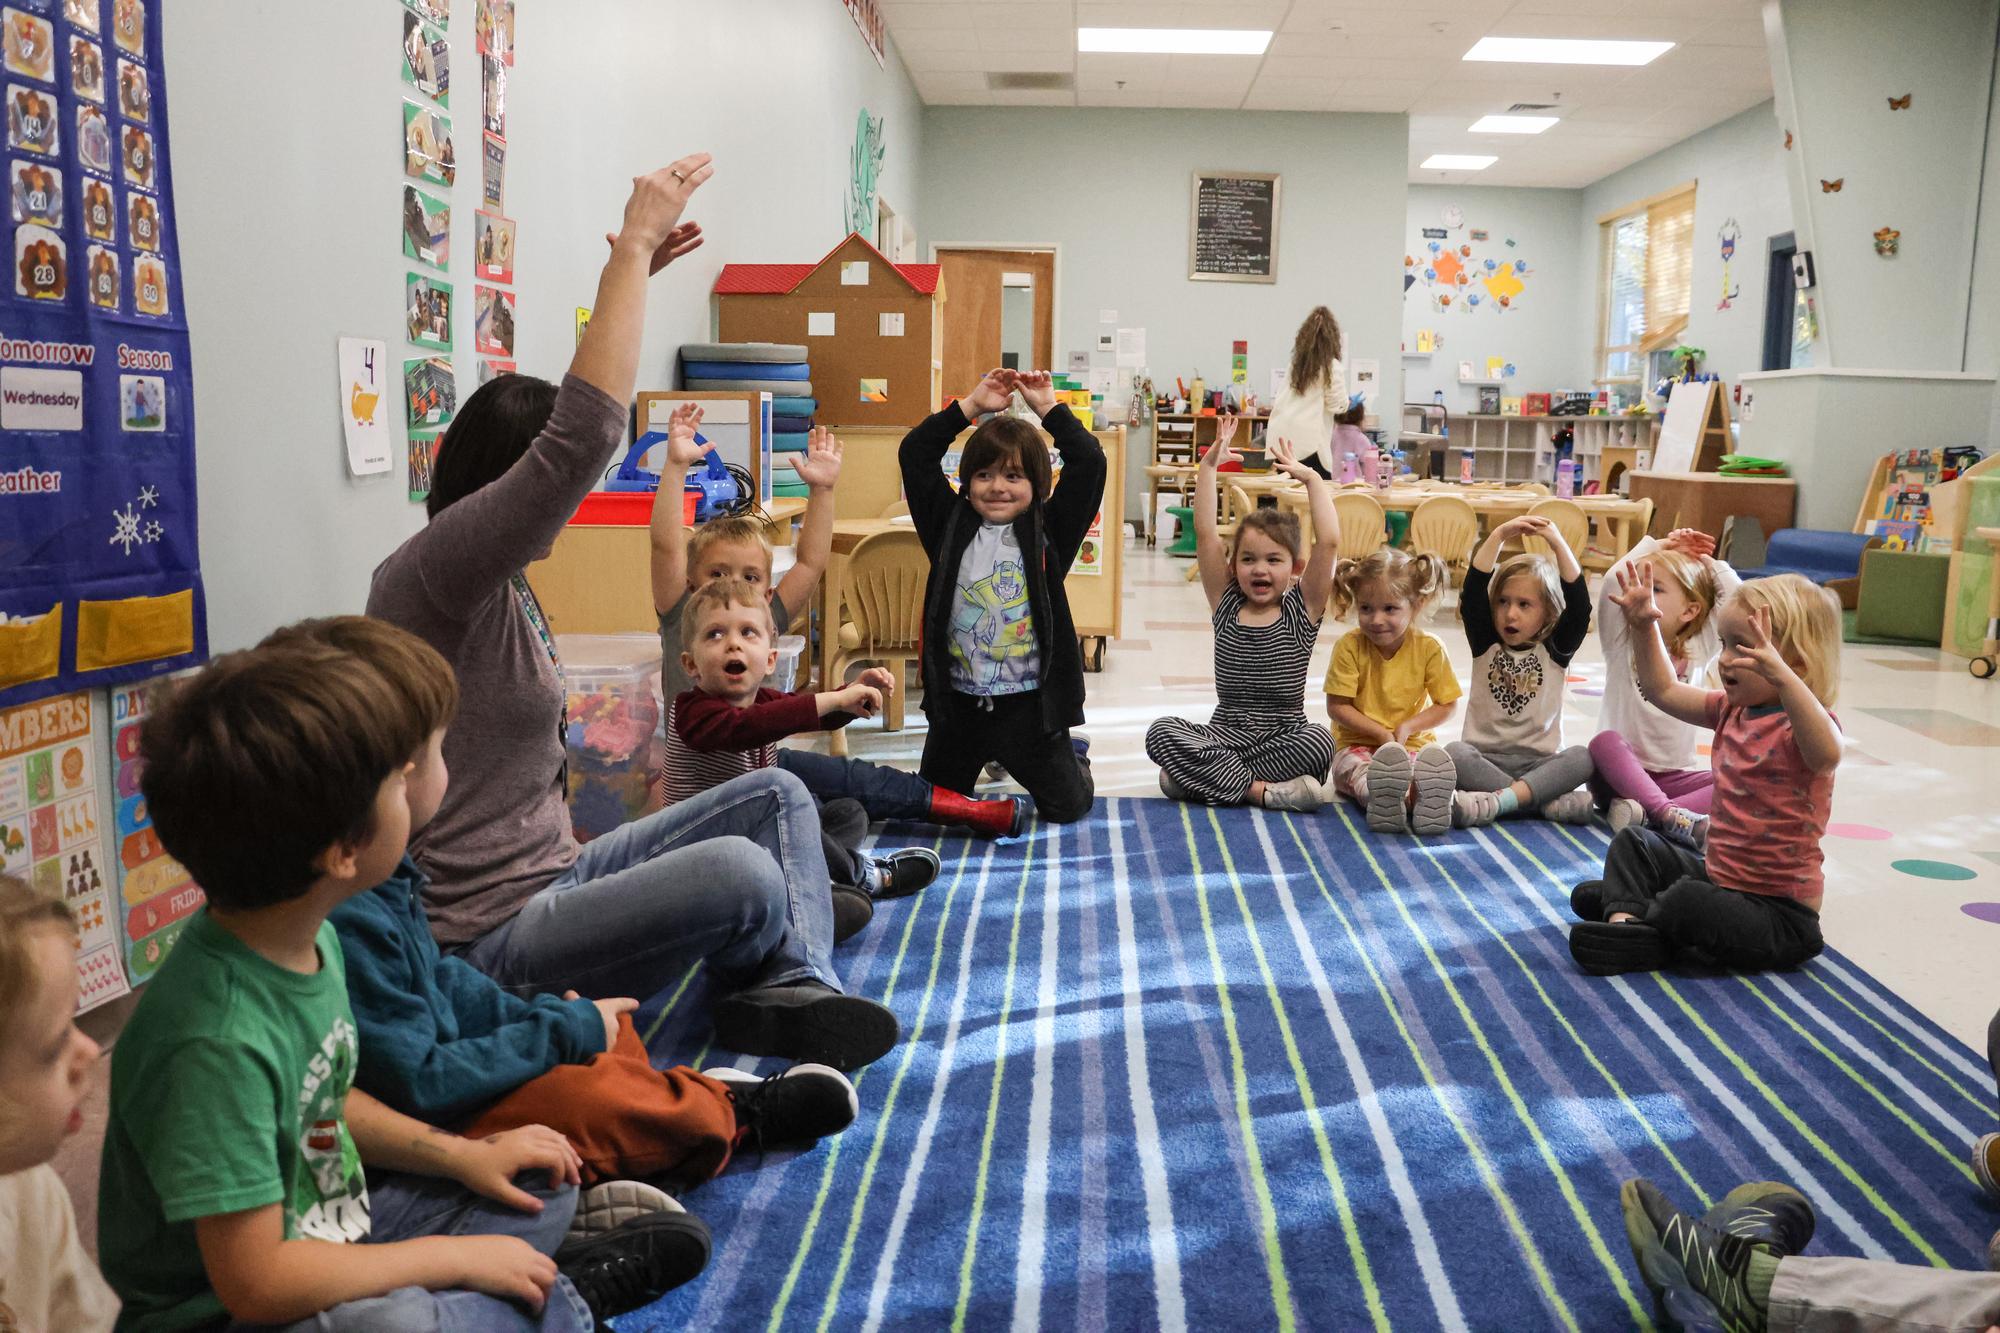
{"x": 1315, "y": 392}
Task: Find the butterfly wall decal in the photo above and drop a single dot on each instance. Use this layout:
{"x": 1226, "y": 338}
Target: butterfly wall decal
{"x": 1788, "y": 138}
{"x": 1831, "y": 187}
{"x": 1900, "y": 103}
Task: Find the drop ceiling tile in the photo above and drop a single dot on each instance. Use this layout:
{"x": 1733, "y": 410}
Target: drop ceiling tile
{"x": 923, "y": 41}
{"x": 1022, "y": 13}
{"x": 905, "y": 16}
{"x": 1045, "y": 41}
{"x": 945, "y": 61}
{"x": 1129, "y": 14}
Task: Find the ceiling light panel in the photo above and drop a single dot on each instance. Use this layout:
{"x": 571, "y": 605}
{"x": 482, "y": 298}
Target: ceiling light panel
{"x": 1456, "y": 162}
{"x": 1512, "y": 124}
{"x": 1566, "y": 51}
{"x": 1175, "y": 41}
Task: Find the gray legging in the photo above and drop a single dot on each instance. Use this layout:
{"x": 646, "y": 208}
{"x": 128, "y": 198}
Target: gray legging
{"x": 1547, "y": 776}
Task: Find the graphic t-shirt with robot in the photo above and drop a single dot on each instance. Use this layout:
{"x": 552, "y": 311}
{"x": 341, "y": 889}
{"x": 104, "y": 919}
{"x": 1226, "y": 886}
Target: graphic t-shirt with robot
{"x": 993, "y": 648}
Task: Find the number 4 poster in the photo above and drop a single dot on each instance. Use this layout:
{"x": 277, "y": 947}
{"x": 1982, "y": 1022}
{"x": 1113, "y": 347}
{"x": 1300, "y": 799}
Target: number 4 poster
{"x": 52, "y": 818}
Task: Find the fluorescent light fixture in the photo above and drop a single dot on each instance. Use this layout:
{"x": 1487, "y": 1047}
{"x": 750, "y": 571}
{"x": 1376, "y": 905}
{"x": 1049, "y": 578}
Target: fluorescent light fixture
{"x": 1566, "y": 51}
{"x": 1174, "y": 41}
{"x": 1512, "y": 124}
{"x": 1456, "y": 162}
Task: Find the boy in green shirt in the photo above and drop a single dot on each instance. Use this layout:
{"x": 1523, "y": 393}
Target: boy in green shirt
{"x": 233, "y": 1184}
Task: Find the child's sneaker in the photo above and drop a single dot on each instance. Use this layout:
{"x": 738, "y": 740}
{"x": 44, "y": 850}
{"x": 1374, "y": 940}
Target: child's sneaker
{"x": 1624, "y": 812}
{"x": 1174, "y": 791}
{"x": 1686, "y": 827}
{"x": 635, "y": 1264}
{"x": 852, "y": 911}
{"x": 1572, "y": 807}
{"x": 806, "y": 1021}
{"x": 796, "y": 1106}
{"x": 1435, "y": 782}
{"x": 1303, "y": 794}
{"x": 900, "y": 874}
{"x": 613, "y": 1203}
{"x": 1474, "y": 809}
{"x": 1986, "y": 1164}
{"x": 1389, "y": 776}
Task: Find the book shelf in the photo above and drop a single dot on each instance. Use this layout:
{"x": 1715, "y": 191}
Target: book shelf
{"x": 1520, "y": 448}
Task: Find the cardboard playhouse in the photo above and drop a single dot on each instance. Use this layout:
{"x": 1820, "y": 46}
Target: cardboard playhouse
{"x": 873, "y": 329}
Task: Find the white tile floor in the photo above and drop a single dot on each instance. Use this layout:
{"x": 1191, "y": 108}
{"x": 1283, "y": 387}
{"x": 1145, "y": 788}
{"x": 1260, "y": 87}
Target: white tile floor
{"x": 1922, "y": 776}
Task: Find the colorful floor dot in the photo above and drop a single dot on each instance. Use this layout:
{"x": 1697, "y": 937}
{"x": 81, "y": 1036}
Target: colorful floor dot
{"x": 1859, "y": 832}
{"x": 1591, "y": 691}
{"x": 1983, "y": 912}
{"x": 1934, "y": 869}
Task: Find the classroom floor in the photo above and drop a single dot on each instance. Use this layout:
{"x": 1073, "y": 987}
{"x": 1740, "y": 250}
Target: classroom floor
{"x": 1912, "y": 855}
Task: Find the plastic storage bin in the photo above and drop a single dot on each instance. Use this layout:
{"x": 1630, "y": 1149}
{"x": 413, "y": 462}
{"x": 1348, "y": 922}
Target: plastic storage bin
{"x": 616, "y": 737}
{"x": 785, "y": 676}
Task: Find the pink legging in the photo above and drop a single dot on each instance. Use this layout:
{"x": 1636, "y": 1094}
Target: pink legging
{"x": 1619, "y": 773}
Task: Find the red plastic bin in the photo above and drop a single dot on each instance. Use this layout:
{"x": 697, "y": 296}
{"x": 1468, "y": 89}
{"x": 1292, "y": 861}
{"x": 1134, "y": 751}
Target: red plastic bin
{"x": 626, "y": 509}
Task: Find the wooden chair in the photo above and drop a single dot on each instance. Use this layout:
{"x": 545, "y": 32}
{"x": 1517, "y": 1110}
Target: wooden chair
{"x": 1447, "y": 527}
{"x": 1568, "y": 518}
{"x": 1631, "y": 531}
{"x": 1531, "y": 487}
{"x": 1361, "y": 528}
{"x": 899, "y": 509}
{"x": 882, "y": 590}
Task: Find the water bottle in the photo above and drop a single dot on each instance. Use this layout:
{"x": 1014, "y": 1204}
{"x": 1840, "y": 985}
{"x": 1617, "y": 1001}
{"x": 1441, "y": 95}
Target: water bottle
{"x": 1566, "y": 478}
{"x": 1350, "y": 470}
{"x": 1385, "y": 470}
{"x": 1437, "y": 397}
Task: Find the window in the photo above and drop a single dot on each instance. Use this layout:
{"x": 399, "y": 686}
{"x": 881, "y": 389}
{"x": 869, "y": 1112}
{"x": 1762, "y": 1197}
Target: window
{"x": 1647, "y": 264}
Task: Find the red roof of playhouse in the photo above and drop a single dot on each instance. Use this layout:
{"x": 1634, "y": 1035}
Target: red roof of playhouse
{"x": 784, "y": 279}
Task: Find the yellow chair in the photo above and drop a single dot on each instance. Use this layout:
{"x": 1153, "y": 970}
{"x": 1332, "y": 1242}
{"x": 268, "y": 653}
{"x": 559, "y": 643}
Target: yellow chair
{"x": 1568, "y": 518}
{"x": 1361, "y": 529}
{"x": 882, "y": 589}
{"x": 1447, "y": 527}
{"x": 899, "y": 509}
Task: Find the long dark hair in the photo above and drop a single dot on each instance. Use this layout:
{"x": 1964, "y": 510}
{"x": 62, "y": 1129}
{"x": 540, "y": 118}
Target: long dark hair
{"x": 490, "y": 433}
{"x": 1315, "y": 349}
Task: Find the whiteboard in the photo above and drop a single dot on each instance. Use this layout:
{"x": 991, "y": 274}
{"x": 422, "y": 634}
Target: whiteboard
{"x": 1687, "y": 404}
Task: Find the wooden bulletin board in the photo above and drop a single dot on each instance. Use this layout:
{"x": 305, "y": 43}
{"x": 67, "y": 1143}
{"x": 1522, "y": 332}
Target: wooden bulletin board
{"x": 1233, "y": 227}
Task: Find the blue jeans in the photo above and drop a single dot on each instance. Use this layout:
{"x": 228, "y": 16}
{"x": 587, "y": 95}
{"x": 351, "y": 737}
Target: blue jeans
{"x": 405, "y": 1207}
{"x": 733, "y": 877}
{"x": 884, "y": 792}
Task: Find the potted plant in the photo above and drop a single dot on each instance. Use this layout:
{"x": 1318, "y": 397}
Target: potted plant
{"x": 1689, "y": 357}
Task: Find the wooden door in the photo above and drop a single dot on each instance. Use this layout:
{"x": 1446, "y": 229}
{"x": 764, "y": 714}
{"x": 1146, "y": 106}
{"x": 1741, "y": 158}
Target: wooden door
{"x": 972, "y": 311}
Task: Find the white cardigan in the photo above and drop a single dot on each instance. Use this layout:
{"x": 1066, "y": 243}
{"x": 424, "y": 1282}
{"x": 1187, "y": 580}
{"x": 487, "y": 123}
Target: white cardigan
{"x": 1305, "y": 417}
{"x": 1660, "y": 742}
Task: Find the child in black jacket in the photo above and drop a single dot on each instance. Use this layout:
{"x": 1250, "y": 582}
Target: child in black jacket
{"x": 1002, "y": 672}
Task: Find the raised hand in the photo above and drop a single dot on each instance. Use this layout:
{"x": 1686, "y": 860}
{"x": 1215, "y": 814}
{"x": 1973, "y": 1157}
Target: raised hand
{"x": 1220, "y": 452}
{"x": 1635, "y": 594}
{"x": 1757, "y": 653}
{"x": 819, "y": 465}
{"x": 683, "y": 450}
{"x": 653, "y": 213}
{"x": 991, "y": 394}
{"x": 1039, "y": 388}
{"x": 1285, "y": 461}
{"x": 1690, "y": 541}
{"x": 683, "y": 238}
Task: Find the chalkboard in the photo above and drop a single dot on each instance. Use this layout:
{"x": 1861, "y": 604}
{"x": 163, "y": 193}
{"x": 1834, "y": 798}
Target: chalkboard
{"x": 1233, "y": 227}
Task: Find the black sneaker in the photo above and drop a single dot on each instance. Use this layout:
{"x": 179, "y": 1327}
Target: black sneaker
{"x": 1767, "y": 1213}
{"x": 1698, "y": 1276}
{"x": 852, "y": 911}
{"x": 1605, "y": 950}
{"x": 796, "y": 1106}
{"x": 635, "y": 1264}
{"x": 610, "y": 1204}
{"x": 900, "y": 874}
{"x": 806, "y": 1022}
{"x": 1587, "y": 900}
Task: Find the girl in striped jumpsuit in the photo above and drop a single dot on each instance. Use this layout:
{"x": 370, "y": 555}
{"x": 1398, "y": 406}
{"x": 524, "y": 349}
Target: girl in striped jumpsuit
{"x": 1267, "y": 597}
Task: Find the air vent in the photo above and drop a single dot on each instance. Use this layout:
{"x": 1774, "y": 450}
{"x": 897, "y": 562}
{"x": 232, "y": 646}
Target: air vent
{"x": 1530, "y": 108}
{"x": 1030, "y": 83}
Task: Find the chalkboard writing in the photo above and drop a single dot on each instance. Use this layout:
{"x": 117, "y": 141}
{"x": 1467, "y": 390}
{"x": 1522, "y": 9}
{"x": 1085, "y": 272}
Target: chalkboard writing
{"x": 1233, "y": 233}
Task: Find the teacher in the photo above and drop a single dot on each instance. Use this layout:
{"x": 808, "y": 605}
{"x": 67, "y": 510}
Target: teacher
{"x": 1315, "y": 393}
{"x": 735, "y": 877}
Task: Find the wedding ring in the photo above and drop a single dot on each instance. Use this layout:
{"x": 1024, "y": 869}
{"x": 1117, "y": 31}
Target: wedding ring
{"x": 677, "y": 176}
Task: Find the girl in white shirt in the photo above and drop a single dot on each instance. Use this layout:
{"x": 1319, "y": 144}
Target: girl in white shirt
{"x": 1645, "y": 760}
{"x": 1315, "y": 391}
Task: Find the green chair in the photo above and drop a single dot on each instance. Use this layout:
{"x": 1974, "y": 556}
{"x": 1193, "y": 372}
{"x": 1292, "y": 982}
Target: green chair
{"x": 1183, "y": 530}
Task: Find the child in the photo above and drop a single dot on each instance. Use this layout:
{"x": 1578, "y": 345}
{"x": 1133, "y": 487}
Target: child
{"x": 1349, "y": 438}
{"x": 442, "y": 1042}
{"x": 1265, "y": 600}
{"x": 1002, "y": 671}
{"x": 46, "y": 1279}
{"x": 1525, "y": 622}
{"x": 1386, "y": 687}
{"x": 232, "y": 1183}
{"x": 1315, "y": 392}
{"x": 1645, "y": 759}
{"x": 1751, "y": 899}
{"x": 741, "y": 548}
{"x": 727, "y": 724}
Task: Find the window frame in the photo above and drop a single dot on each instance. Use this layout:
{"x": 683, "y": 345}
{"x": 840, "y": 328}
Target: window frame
{"x": 1607, "y": 228}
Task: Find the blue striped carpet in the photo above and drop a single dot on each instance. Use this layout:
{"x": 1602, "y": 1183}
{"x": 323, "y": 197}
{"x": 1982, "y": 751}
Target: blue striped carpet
{"x": 1173, "y": 1067}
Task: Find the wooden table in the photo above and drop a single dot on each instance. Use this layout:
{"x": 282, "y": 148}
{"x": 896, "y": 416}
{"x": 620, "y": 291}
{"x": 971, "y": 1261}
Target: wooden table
{"x": 1489, "y": 504}
{"x": 1705, "y": 500}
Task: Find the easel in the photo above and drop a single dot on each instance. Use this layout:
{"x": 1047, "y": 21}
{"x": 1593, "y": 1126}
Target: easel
{"x": 1695, "y": 435}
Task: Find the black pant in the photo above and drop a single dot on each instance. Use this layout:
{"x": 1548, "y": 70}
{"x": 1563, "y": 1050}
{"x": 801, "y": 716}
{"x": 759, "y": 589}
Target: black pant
{"x": 965, "y": 735}
{"x": 843, "y": 824}
{"x": 1667, "y": 886}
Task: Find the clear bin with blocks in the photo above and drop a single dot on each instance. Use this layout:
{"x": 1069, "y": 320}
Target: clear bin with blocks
{"x": 616, "y": 732}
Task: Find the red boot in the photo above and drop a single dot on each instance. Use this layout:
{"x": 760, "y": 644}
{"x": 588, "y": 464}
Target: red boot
{"x": 987, "y": 816}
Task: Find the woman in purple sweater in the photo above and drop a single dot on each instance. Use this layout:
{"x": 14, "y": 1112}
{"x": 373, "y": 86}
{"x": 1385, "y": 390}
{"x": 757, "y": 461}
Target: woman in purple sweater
{"x": 734, "y": 878}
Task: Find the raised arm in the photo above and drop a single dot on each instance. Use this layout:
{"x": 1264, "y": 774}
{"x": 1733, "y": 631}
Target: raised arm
{"x": 1650, "y": 663}
{"x": 1488, "y": 554}
{"x": 819, "y": 468}
{"x": 1077, "y": 500}
{"x": 1316, "y": 584}
{"x": 669, "y": 528}
{"x": 1210, "y": 555}
{"x": 921, "y": 455}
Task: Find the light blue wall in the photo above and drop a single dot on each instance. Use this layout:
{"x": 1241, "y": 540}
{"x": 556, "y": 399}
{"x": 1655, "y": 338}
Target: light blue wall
{"x": 1538, "y": 331}
{"x": 1111, "y": 187}
{"x": 1738, "y": 173}
{"x": 771, "y": 87}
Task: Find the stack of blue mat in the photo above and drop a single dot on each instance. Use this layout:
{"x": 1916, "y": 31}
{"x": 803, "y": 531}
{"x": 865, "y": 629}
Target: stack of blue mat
{"x": 778, "y": 369}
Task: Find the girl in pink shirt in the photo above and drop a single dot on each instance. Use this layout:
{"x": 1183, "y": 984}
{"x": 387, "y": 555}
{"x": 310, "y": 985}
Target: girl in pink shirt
{"x": 1749, "y": 897}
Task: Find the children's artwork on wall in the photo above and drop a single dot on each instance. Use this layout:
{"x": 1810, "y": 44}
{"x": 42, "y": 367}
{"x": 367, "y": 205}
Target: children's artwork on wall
{"x": 365, "y": 395}
{"x": 1887, "y": 241}
{"x": 867, "y": 16}
{"x": 493, "y": 321}
{"x": 493, "y": 247}
{"x": 427, "y": 150}
{"x": 1478, "y": 233}
{"x": 52, "y": 826}
{"x": 1726, "y": 237}
{"x": 423, "y": 462}
{"x": 490, "y": 370}
{"x": 874, "y": 390}
{"x": 426, "y": 228}
{"x": 493, "y": 174}
{"x": 582, "y": 323}
{"x": 1831, "y": 186}
{"x": 29, "y": 45}
{"x": 430, "y": 392}
{"x": 493, "y": 29}
{"x": 86, "y": 69}
{"x": 493, "y": 95}
{"x": 1788, "y": 141}
{"x": 434, "y": 11}
{"x": 427, "y": 311}
{"x": 1466, "y": 278}
{"x": 864, "y": 170}
{"x": 1900, "y": 103}
{"x": 426, "y": 59}
{"x": 157, "y": 893}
